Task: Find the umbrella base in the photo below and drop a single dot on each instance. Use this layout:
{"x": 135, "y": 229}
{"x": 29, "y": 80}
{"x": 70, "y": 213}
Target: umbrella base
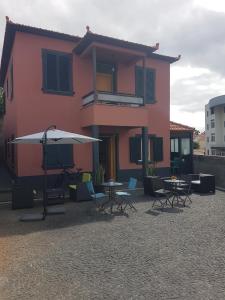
{"x": 31, "y": 217}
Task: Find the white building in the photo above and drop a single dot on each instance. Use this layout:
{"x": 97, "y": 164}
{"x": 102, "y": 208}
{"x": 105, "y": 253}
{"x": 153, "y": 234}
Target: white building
{"x": 215, "y": 126}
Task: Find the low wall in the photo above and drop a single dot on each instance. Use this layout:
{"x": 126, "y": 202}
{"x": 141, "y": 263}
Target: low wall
{"x": 214, "y": 165}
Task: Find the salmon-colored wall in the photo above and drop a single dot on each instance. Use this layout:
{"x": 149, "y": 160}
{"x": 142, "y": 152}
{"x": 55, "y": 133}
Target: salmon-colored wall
{"x": 32, "y": 110}
{"x": 37, "y": 110}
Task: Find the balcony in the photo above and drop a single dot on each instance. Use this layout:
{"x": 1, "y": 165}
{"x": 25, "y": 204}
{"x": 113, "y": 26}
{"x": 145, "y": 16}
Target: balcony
{"x": 112, "y": 98}
{"x": 102, "y": 114}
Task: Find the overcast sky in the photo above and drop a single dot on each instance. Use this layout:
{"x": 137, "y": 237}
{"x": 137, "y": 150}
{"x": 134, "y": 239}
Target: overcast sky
{"x": 193, "y": 28}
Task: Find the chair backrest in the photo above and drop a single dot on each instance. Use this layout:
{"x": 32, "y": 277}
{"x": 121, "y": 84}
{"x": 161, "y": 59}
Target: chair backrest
{"x": 90, "y": 187}
{"x": 157, "y": 184}
{"x": 86, "y": 177}
{"x": 132, "y": 183}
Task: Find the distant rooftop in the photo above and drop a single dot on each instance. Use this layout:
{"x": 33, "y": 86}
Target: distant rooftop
{"x": 217, "y": 101}
{"x": 180, "y": 127}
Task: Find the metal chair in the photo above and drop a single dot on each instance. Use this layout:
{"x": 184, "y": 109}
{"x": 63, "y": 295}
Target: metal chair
{"x": 162, "y": 195}
{"x": 126, "y": 196}
{"x": 184, "y": 189}
{"x": 97, "y": 197}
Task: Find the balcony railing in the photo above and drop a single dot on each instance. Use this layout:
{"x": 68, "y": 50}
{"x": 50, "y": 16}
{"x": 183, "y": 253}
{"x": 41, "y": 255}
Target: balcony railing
{"x": 112, "y": 98}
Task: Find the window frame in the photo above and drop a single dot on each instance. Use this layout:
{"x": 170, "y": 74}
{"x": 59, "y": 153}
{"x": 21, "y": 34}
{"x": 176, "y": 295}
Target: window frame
{"x": 58, "y": 54}
{"x": 152, "y": 141}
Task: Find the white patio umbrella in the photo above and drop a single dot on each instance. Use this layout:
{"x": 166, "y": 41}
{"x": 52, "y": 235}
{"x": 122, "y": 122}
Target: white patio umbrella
{"x": 52, "y": 136}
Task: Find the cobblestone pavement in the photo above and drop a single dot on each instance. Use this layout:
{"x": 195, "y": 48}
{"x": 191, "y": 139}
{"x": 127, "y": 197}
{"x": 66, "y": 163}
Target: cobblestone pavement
{"x": 149, "y": 254}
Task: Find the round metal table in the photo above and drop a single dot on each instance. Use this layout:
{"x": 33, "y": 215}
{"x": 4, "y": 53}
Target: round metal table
{"x": 111, "y": 185}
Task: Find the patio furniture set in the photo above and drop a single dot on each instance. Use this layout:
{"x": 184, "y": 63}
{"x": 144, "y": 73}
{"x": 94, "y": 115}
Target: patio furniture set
{"x": 178, "y": 190}
{"x": 171, "y": 190}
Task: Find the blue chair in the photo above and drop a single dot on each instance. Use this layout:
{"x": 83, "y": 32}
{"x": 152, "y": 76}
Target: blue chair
{"x": 126, "y": 197}
{"x": 95, "y": 196}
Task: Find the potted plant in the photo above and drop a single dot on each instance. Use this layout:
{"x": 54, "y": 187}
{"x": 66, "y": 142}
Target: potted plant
{"x": 99, "y": 179}
{"x": 149, "y": 179}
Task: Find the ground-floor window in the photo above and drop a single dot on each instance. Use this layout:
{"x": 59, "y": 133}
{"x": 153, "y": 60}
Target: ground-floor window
{"x": 155, "y": 149}
{"x": 59, "y": 156}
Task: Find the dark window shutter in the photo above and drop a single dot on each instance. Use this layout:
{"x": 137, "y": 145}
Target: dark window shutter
{"x": 64, "y": 73}
{"x": 59, "y": 156}
{"x": 66, "y": 155}
{"x": 150, "y": 86}
{"x": 135, "y": 149}
{"x": 139, "y": 77}
{"x": 51, "y": 72}
{"x": 157, "y": 149}
{"x": 57, "y": 71}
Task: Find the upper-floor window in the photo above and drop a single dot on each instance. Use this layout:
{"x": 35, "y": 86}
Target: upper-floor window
{"x": 105, "y": 77}
{"x": 9, "y": 83}
{"x": 149, "y": 83}
{"x": 207, "y": 126}
{"x": 57, "y": 72}
{"x": 212, "y": 123}
{"x": 207, "y": 139}
{"x": 212, "y": 111}
{"x": 207, "y": 113}
{"x": 213, "y": 137}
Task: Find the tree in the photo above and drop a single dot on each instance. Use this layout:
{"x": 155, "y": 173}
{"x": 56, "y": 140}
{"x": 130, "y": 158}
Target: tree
{"x": 196, "y": 145}
{"x": 196, "y": 131}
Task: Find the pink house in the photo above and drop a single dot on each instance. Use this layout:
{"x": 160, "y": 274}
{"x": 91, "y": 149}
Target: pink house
{"x": 96, "y": 85}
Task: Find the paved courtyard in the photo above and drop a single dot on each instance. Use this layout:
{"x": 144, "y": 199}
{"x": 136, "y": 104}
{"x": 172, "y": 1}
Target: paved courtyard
{"x": 175, "y": 254}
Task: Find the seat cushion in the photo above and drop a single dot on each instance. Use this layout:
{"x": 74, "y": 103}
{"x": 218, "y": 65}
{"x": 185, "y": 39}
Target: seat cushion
{"x": 195, "y": 181}
{"x": 162, "y": 192}
{"x": 98, "y": 195}
{"x": 73, "y": 186}
{"x": 122, "y": 194}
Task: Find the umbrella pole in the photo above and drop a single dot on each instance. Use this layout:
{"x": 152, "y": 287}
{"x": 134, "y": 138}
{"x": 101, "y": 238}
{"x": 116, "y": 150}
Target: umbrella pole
{"x": 45, "y": 181}
{"x": 44, "y": 143}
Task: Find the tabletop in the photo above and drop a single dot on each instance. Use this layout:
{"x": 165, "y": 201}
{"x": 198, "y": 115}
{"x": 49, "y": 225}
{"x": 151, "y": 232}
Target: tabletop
{"x": 174, "y": 181}
{"x": 111, "y": 184}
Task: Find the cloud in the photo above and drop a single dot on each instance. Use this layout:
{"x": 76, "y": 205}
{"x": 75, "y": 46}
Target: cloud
{"x": 191, "y": 93}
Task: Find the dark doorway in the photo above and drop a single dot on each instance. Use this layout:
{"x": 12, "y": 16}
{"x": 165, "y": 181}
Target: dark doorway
{"x": 108, "y": 156}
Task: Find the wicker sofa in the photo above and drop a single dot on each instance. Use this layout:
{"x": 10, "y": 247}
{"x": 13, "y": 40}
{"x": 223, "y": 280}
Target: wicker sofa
{"x": 203, "y": 183}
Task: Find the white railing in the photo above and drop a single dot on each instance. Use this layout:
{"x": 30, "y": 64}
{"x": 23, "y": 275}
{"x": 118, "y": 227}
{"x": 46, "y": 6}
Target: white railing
{"x": 109, "y": 98}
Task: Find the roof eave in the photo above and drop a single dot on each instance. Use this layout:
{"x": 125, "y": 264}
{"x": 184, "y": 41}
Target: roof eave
{"x": 91, "y": 37}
